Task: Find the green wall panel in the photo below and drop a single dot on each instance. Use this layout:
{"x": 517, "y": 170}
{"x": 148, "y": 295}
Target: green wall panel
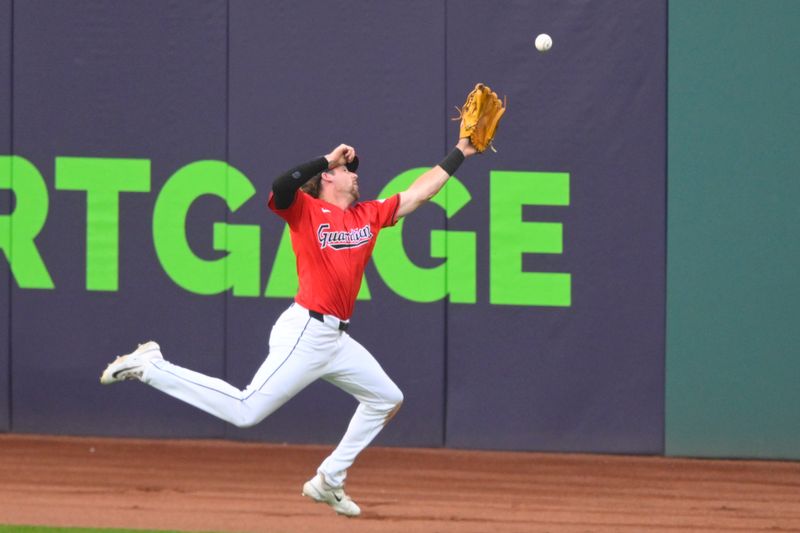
{"x": 733, "y": 301}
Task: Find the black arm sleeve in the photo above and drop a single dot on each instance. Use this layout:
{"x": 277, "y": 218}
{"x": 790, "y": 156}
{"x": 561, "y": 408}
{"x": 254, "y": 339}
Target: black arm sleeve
{"x": 285, "y": 186}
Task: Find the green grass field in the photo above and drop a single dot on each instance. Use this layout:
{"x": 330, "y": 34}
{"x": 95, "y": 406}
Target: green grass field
{"x": 42, "y": 529}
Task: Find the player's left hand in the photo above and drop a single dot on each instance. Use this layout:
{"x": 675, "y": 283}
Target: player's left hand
{"x": 341, "y": 155}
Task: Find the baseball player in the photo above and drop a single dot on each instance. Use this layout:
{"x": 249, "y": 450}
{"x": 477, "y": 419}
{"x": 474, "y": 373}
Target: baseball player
{"x": 333, "y": 238}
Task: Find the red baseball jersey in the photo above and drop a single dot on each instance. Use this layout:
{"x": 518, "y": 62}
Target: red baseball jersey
{"x": 332, "y": 247}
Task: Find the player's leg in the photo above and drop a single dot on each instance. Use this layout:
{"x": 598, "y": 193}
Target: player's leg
{"x": 356, "y": 371}
{"x": 299, "y": 350}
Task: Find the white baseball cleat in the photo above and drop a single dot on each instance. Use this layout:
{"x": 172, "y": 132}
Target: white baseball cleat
{"x": 319, "y": 491}
{"x": 131, "y": 366}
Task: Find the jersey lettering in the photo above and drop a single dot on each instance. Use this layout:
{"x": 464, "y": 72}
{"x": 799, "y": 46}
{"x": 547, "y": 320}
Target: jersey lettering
{"x": 340, "y": 240}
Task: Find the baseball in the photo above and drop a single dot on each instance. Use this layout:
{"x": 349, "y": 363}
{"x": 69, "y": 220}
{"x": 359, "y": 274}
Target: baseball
{"x": 543, "y": 42}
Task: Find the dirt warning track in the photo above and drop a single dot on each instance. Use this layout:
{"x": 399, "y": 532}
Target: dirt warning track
{"x": 244, "y": 487}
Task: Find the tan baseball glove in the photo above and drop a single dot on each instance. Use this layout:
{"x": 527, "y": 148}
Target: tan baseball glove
{"x": 480, "y": 116}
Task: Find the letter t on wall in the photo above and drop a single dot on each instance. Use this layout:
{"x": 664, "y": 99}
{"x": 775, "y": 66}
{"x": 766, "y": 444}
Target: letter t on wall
{"x": 102, "y": 179}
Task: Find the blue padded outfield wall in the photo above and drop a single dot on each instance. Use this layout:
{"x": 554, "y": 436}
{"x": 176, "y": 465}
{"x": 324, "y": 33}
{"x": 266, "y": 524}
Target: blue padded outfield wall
{"x": 5, "y": 208}
{"x": 522, "y": 309}
{"x": 138, "y": 82}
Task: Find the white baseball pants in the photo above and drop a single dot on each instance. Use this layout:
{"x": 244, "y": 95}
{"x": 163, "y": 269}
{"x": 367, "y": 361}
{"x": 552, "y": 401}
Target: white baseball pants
{"x": 301, "y": 350}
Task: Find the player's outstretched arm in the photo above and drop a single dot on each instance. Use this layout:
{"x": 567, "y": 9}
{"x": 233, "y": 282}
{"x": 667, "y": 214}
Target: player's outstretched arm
{"x": 428, "y": 184}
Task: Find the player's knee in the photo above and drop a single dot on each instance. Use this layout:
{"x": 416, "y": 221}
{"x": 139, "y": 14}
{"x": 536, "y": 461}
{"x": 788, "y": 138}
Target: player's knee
{"x": 245, "y": 422}
{"x": 394, "y": 397}
{"x": 393, "y": 411}
{"x": 248, "y": 417}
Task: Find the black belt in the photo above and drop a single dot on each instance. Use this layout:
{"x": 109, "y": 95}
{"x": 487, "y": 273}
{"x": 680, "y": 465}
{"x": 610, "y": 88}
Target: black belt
{"x": 319, "y": 316}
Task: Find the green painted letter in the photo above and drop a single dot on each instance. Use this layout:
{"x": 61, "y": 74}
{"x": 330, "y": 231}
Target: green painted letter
{"x": 19, "y": 229}
{"x": 510, "y": 238}
{"x": 455, "y": 276}
{"x": 103, "y": 180}
{"x": 240, "y": 268}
